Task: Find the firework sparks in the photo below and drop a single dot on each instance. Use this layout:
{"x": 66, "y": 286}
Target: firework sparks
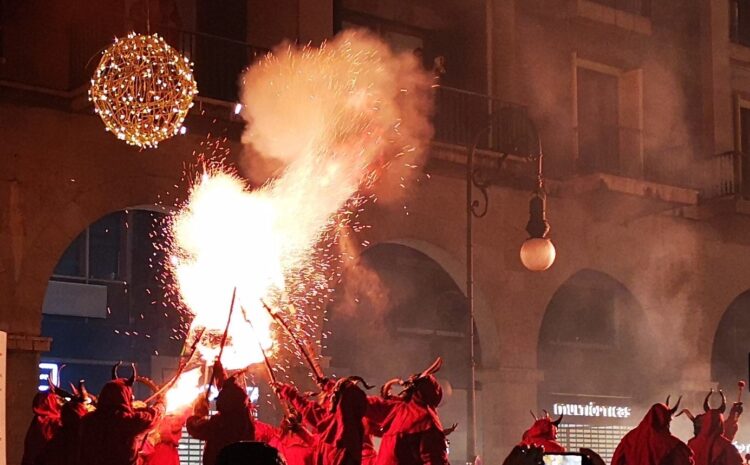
{"x": 335, "y": 118}
{"x": 185, "y": 390}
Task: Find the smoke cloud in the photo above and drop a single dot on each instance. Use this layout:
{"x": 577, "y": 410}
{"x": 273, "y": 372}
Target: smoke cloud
{"x": 352, "y": 101}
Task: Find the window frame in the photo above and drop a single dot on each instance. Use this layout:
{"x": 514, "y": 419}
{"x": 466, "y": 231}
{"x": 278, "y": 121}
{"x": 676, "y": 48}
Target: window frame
{"x": 741, "y": 102}
{"x": 629, "y": 119}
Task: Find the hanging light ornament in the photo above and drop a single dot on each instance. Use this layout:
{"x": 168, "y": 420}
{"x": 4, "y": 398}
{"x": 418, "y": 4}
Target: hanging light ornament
{"x": 142, "y": 89}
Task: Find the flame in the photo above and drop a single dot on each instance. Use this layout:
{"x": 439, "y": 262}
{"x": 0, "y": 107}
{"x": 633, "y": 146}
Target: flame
{"x": 335, "y": 117}
{"x": 185, "y": 390}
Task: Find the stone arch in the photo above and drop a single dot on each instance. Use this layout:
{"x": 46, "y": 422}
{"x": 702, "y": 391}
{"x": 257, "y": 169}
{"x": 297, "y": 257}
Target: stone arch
{"x": 55, "y": 228}
{"x": 400, "y": 305}
{"x": 729, "y": 353}
{"x": 456, "y": 269}
{"x": 592, "y": 339}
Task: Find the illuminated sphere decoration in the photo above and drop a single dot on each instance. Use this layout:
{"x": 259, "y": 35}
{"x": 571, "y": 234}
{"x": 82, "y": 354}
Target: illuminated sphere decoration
{"x": 142, "y": 90}
{"x": 538, "y": 253}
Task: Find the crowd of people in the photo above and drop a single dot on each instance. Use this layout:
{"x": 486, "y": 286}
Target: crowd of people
{"x": 333, "y": 427}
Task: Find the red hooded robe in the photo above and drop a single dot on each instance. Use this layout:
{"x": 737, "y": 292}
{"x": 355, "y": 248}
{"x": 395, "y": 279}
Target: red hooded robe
{"x": 43, "y": 426}
{"x": 543, "y": 433}
{"x": 341, "y": 432}
{"x": 112, "y": 432}
{"x": 65, "y": 446}
{"x": 710, "y": 447}
{"x": 295, "y": 444}
{"x": 234, "y": 422}
{"x": 651, "y": 443}
{"x": 412, "y": 432}
{"x": 165, "y": 451}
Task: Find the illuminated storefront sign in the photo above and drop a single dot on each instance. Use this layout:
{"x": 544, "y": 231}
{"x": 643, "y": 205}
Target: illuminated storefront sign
{"x": 48, "y": 372}
{"x": 591, "y": 410}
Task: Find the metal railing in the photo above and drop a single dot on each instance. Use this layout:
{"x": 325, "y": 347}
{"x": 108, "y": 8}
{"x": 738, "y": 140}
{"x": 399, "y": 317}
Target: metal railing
{"x": 714, "y": 176}
{"x": 218, "y": 62}
{"x": 460, "y": 114}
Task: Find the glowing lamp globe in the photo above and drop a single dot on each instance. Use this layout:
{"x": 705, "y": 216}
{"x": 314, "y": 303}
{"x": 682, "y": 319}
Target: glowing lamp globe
{"x": 537, "y": 253}
{"x": 142, "y": 90}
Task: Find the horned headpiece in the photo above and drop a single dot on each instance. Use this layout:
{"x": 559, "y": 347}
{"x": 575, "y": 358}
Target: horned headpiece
{"x": 57, "y": 390}
{"x": 410, "y": 383}
{"x": 672, "y": 410}
{"x": 722, "y": 408}
{"x": 79, "y": 393}
{"x": 129, "y": 381}
{"x": 338, "y": 388}
{"x": 547, "y": 417}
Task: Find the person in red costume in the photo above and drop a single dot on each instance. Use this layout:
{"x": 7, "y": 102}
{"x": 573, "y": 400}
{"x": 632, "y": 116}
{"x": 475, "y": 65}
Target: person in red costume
{"x": 710, "y": 446}
{"x": 337, "y": 419}
{"x": 234, "y": 421}
{"x": 44, "y": 425}
{"x": 169, "y": 433}
{"x": 651, "y": 443}
{"x": 293, "y": 441}
{"x": 65, "y": 446}
{"x": 411, "y": 430}
{"x": 112, "y": 432}
{"x": 543, "y": 433}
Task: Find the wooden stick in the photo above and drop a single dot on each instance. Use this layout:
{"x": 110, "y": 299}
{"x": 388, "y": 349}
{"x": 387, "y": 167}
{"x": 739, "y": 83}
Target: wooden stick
{"x": 183, "y": 364}
{"x": 223, "y": 343}
{"x": 317, "y": 371}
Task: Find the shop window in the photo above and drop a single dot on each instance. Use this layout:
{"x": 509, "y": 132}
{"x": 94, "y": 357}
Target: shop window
{"x": 740, "y": 17}
{"x": 97, "y": 252}
{"x": 609, "y": 119}
{"x": 636, "y": 7}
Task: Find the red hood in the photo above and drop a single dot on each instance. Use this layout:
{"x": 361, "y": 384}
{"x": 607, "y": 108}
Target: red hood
{"x": 710, "y": 445}
{"x": 116, "y": 395}
{"x": 543, "y": 433}
{"x": 45, "y": 405}
{"x": 345, "y": 429}
{"x": 428, "y": 391}
{"x": 231, "y": 398}
{"x": 650, "y": 442}
{"x": 72, "y": 412}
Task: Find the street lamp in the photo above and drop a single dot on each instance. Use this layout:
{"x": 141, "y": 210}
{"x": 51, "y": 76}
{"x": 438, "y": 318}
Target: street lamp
{"x": 537, "y": 254}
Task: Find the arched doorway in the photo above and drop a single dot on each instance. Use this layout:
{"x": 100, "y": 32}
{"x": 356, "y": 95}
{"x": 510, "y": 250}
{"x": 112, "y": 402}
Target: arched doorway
{"x": 731, "y": 352}
{"x": 394, "y": 312}
{"x": 592, "y": 345}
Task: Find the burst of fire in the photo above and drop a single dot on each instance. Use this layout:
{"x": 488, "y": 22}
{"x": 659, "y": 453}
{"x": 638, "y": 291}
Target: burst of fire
{"x": 336, "y": 117}
{"x": 184, "y": 391}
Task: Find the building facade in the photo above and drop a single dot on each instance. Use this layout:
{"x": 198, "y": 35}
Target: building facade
{"x": 642, "y": 108}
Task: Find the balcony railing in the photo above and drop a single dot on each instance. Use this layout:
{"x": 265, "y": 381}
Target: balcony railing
{"x": 714, "y": 176}
{"x": 460, "y": 115}
{"x": 218, "y": 62}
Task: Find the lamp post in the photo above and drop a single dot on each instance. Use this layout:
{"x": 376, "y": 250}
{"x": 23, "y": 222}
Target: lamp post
{"x": 537, "y": 254}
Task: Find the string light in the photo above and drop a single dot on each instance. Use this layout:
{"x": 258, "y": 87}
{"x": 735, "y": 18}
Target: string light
{"x": 142, "y": 90}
